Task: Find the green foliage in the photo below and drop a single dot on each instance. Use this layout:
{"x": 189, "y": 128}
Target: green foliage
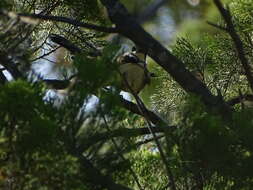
{"x": 36, "y": 124}
{"x": 86, "y": 9}
{"x": 21, "y": 95}
{"x": 5, "y": 4}
{"x": 242, "y": 13}
{"x": 134, "y": 6}
{"x": 148, "y": 168}
{"x": 99, "y": 72}
{"x": 215, "y": 58}
{"x": 29, "y": 141}
{"x": 207, "y": 151}
{"x": 44, "y": 144}
{"x": 206, "y": 146}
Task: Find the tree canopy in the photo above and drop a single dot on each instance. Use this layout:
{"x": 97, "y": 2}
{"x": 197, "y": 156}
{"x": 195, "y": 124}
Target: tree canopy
{"x": 194, "y": 131}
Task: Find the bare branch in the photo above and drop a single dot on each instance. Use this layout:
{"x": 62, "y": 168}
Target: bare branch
{"x": 70, "y": 21}
{"x": 122, "y": 132}
{"x": 151, "y": 116}
{"x": 148, "y": 141}
{"x": 45, "y": 55}
{"x": 74, "y": 49}
{"x": 65, "y": 43}
{"x": 217, "y": 26}
{"x": 51, "y": 7}
{"x": 239, "y": 99}
{"x": 57, "y": 84}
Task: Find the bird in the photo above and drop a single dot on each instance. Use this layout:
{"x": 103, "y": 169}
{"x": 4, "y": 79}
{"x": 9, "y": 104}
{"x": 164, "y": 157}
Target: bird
{"x": 133, "y": 69}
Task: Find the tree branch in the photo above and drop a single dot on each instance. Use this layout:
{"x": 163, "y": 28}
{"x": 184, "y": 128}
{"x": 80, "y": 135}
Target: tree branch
{"x": 64, "y": 43}
{"x": 217, "y": 26}
{"x": 237, "y": 41}
{"x": 71, "y": 46}
{"x": 118, "y": 149}
{"x": 132, "y": 107}
{"x": 57, "y": 84}
{"x": 154, "y": 118}
{"x": 129, "y": 27}
{"x": 239, "y": 99}
{"x": 122, "y": 132}
{"x": 70, "y": 21}
{"x": 142, "y": 109}
{"x": 95, "y": 176}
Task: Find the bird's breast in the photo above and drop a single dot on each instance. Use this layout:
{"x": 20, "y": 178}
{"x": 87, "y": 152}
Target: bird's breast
{"x": 134, "y": 75}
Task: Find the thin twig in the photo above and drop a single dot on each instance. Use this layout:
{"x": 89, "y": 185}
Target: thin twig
{"x": 44, "y": 55}
{"x": 249, "y": 39}
{"x": 148, "y": 140}
{"x": 122, "y": 132}
{"x": 217, "y": 26}
{"x": 151, "y": 116}
{"x": 142, "y": 109}
{"x": 237, "y": 41}
{"x": 138, "y": 144}
{"x": 121, "y": 155}
{"x": 65, "y": 43}
{"x": 70, "y": 21}
{"x": 239, "y": 99}
{"x": 49, "y": 9}
{"x": 49, "y": 60}
{"x": 31, "y": 28}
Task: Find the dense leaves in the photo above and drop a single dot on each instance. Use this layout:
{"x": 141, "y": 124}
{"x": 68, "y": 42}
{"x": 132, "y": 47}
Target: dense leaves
{"x": 68, "y": 139}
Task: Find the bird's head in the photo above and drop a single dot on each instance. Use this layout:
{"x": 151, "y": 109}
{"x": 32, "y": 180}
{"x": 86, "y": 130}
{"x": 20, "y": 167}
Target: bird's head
{"x": 140, "y": 53}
